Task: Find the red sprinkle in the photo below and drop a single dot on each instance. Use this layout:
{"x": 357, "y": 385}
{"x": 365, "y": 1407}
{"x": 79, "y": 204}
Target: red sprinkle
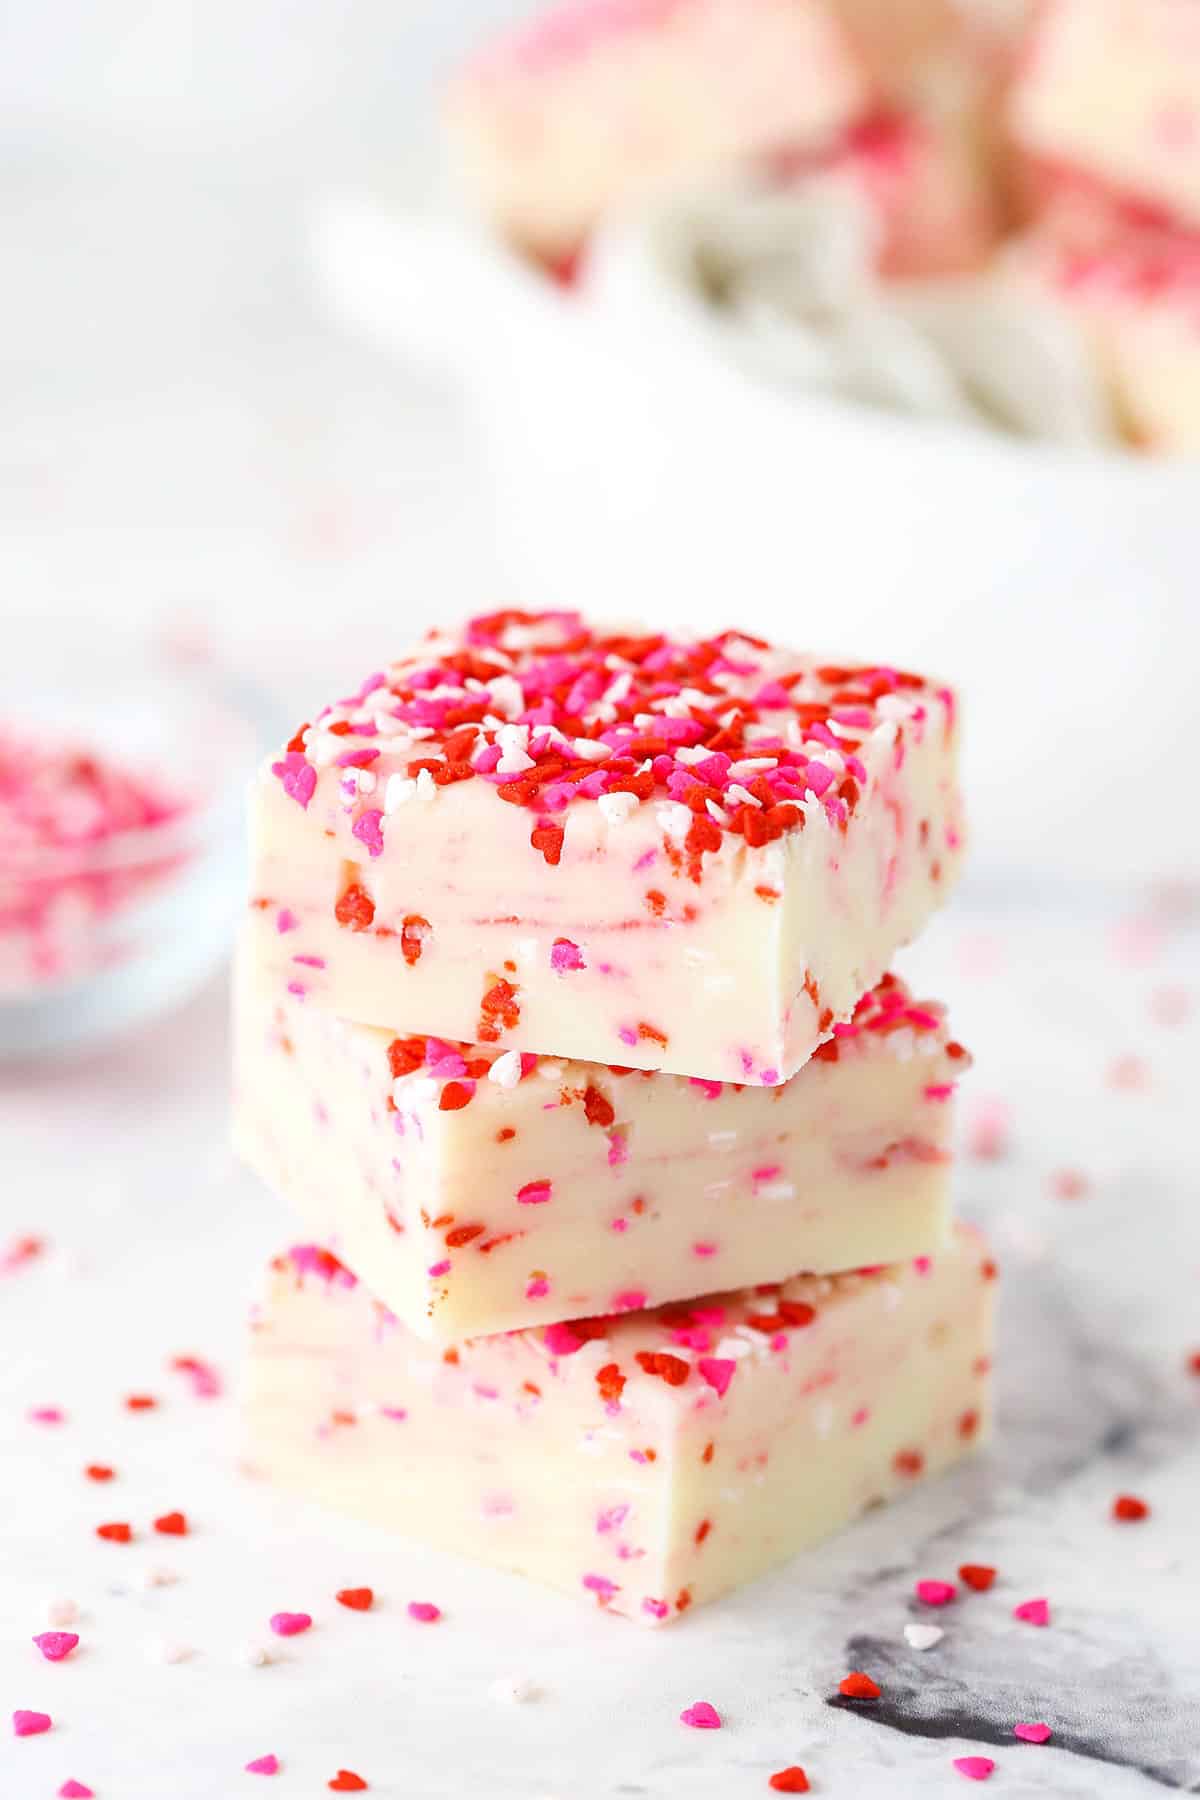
{"x": 346, "y": 1782}
{"x": 977, "y": 1575}
{"x": 857, "y": 1686}
{"x": 791, "y": 1780}
{"x": 140, "y": 1403}
{"x": 1128, "y": 1508}
{"x": 357, "y": 1599}
{"x": 99, "y": 1472}
{"x": 116, "y": 1533}
{"x": 172, "y": 1524}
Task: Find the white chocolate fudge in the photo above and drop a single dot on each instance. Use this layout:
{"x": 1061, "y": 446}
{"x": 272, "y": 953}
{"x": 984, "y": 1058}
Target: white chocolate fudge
{"x": 1112, "y": 88}
{"x": 476, "y": 1190}
{"x": 1137, "y": 301}
{"x": 681, "y": 855}
{"x": 598, "y": 105}
{"x": 644, "y": 1464}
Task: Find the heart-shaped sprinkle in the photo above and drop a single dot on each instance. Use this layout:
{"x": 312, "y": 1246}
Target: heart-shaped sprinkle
{"x": 75, "y": 1790}
{"x": 424, "y": 1611}
{"x": 29, "y": 1724}
{"x": 357, "y": 1599}
{"x": 1033, "y": 1612}
{"x": 701, "y": 1717}
{"x": 923, "y": 1637}
{"x": 289, "y": 1624}
{"x": 935, "y": 1593}
{"x": 99, "y": 1472}
{"x": 116, "y": 1533}
{"x": 54, "y": 1645}
{"x": 347, "y": 1782}
{"x": 1128, "y": 1509}
{"x": 975, "y": 1768}
{"x": 263, "y": 1765}
{"x": 977, "y": 1575}
{"x": 1032, "y": 1734}
{"x": 857, "y": 1686}
{"x": 172, "y": 1524}
{"x": 791, "y": 1780}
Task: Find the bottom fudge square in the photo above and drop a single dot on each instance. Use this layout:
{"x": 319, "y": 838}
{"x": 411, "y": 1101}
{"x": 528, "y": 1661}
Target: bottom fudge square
{"x": 645, "y": 1463}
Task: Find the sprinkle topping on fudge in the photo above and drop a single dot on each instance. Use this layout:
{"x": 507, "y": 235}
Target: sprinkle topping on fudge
{"x": 723, "y": 734}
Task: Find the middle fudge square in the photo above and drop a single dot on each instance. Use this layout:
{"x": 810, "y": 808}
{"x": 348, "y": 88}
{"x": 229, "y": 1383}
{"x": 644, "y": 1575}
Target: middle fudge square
{"x": 475, "y": 1189}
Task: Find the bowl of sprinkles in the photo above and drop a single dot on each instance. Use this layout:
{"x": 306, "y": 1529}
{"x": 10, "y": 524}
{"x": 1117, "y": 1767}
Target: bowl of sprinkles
{"x": 121, "y": 766}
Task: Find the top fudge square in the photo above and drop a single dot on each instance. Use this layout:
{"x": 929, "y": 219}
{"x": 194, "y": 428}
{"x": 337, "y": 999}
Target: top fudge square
{"x": 631, "y": 849}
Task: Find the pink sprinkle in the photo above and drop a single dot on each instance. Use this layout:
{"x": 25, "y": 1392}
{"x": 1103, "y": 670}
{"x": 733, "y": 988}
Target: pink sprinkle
{"x": 1068, "y": 1184}
{"x": 286, "y": 920}
{"x": 769, "y": 1077}
{"x": 922, "y": 1264}
{"x": 54, "y": 1645}
{"x": 537, "y": 1289}
{"x": 439, "y": 1268}
{"x": 627, "y": 1035}
{"x": 601, "y": 1586}
{"x": 263, "y": 1765}
{"x": 718, "y": 1371}
{"x": 860, "y": 1416}
{"x": 818, "y": 777}
{"x": 47, "y": 1415}
{"x": 704, "y": 1249}
{"x": 356, "y": 759}
{"x": 935, "y": 1593}
{"x": 701, "y": 1717}
{"x": 611, "y": 1517}
{"x": 29, "y": 1724}
{"x": 534, "y": 1193}
{"x": 710, "y": 1089}
{"x": 618, "y": 1149}
{"x": 1033, "y": 1612}
{"x": 424, "y": 1612}
{"x": 988, "y": 1131}
{"x": 658, "y": 1609}
{"x": 767, "y": 1172}
{"x": 299, "y": 778}
{"x": 975, "y": 1768}
{"x": 75, "y": 1790}
{"x": 565, "y": 955}
{"x": 1032, "y": 1734}
{"x": 619, "y": 1225}
{"x": 561, "y": 1340}
{"x": 367, "y": 829}
{"x": 629, "y": 1300}
{"x": 289, "y": 1624}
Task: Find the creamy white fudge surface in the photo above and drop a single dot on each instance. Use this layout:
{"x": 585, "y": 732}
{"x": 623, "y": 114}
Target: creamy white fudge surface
{"x": 477, "y": 1190}
{"x": 644, "y": 1464}
{"x": 596, "y": 106}
{"x": 1112, "y": 88}
{"x": 692, "y": 855}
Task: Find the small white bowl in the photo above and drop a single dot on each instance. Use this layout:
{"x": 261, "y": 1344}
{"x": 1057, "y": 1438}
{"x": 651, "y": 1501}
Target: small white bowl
{"x": 636, "y": 470}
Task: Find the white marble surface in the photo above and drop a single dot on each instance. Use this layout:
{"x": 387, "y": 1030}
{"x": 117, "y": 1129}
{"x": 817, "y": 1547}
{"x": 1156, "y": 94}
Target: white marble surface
{"x": 154, "y": 1241}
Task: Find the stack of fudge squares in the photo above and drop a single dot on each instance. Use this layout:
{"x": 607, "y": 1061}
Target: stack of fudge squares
{"x": 564, "y": 1021}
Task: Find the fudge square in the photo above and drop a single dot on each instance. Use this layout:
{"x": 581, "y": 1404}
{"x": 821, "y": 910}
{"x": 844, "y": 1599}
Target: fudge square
{"x": 693, "y": 855}
{"x": 474, "y": 1189}
{"x": 646, "y": 1463}
{"x": 596, "y": 106}
{"x": 1111, "y": 89}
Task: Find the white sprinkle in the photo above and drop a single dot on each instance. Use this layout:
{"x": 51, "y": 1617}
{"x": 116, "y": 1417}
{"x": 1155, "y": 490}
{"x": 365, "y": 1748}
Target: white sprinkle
{"x": 722, "y": 1140}
{"x": 252, "y": 1656}
{"x": 716, "y": 812}
{"x": 689, "y": 754}
{"x": 399, "y": 790}
{"x": 508, "y": 697}
{"x": 923, "y": 1637}
{"x": 165, "y": 1650}
{"x": 506, "y": 1070}
{"x": 515, "y": 1690}
{"x": 366, "y": 781}
{"x": 551, "y": 1068}
{"x": 777, "y": 1190}
{"x": 588, "y": 750}
{"x": 618, "y": 807}
{"x": 674, "y": 819}
{"x": 62, "y": 1612}
{"x": 735, "y": 791}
